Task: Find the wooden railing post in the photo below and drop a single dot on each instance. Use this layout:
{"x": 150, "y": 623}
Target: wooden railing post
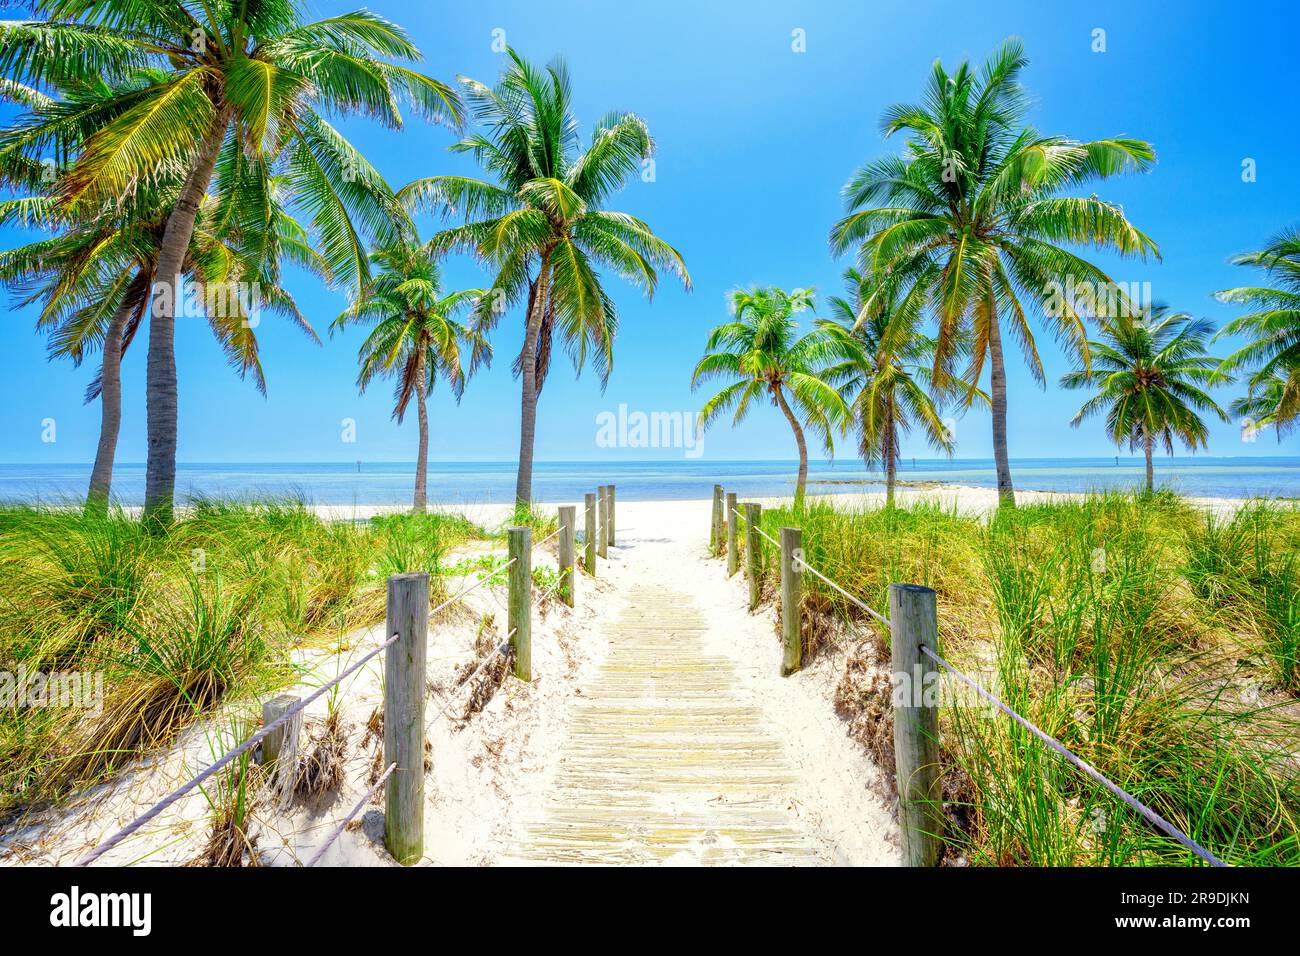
{"x": 280, "y": 747}
{"x": 602, "y": 510}
{"x": 404, "y": 690}
{"x": 283, "y": 741}
{"x": 733, "y": 544}
{"x": 589, "y": 529}
{"x": 612, "y": 543}
{"x": 715, "y": 525}
{"x": 519, "y": 614}
{"x": 568, "y": 534}
{"x": 753, "y": 551}
{"x": 913, "y": 621}
{"x": 791, "y": 596}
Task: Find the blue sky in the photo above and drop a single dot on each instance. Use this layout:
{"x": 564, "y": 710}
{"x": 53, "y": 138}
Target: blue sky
{"x": 754, "y": 142}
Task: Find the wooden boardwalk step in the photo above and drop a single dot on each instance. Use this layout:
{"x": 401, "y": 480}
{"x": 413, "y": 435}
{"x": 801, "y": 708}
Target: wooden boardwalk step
{"x": 665, "y": 761}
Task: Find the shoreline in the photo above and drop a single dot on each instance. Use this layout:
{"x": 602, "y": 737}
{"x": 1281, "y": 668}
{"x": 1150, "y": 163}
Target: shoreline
{"x": 965, "y": 498}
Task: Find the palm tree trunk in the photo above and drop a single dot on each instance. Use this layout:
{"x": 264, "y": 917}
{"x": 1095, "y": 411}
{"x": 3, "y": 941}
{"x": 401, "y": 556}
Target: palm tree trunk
{"x": 798, "y": 440}
{"x": 998, "y": 388}
{"x": 1147, "y": 446}
{"x": 422, "y": 456}
{"x": 528, "y": 398}
{"x": 110, "y": 409}
{"x": 160, "y": 388}
{"x": 891, "y": 457}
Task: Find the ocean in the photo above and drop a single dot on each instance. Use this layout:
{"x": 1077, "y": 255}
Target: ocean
{"x": 386, "y": 483}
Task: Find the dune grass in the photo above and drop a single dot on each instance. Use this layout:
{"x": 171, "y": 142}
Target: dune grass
{"x": 178, "y": 623}
{"x": 1159, "y": 643}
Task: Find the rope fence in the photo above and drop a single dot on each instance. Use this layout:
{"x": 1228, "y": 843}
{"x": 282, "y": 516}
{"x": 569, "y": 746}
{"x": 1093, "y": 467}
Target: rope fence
{"x": 225, "y": 760}
{"x": 1123, "y": 795}
{"x": 914, "y": 631}
{"x": 405, "y": 688}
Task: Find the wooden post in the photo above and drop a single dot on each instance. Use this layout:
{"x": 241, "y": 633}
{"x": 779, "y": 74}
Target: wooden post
{"x": 280, "y": 746}
{"x": 715, "y": 526}
{"x": 589, "y": 501}
{"x": 568, "y": 534}
{"x": 519, "y": 616}
{"x": 791, "y": 595}
{"x": 733, "y": 545}
{"x": 602, "y": 510}
{"x": 609, "y": 491}
{"x": 913, "y": 621}
{"x": 284, "y": 739}
{"x": 404, "y": 691}
{"x": 753, "y": 551}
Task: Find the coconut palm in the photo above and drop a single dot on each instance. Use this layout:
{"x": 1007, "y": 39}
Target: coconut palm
{"x": 541, "y": 225}
{"x": 972, "y": 212}
{"x": 1149, "y": 374}
{"x": 1273, "y": 354}
{"x": 416, "y": 337}
{"x": 250, "y": 74}
{"x": 1258, "y": 408}
{"x": 93, "y": 281}
{"x": 883, "y": 378}
{"x": 762, "y": 351}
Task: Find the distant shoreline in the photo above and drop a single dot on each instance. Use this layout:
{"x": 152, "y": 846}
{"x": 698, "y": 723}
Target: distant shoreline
{"x": 475, "y": 484}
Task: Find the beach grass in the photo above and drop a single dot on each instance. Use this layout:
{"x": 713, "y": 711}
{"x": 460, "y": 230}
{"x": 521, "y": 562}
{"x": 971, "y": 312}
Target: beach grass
{"x": 1155, "y": 641}
{"x": 176, "y": 624}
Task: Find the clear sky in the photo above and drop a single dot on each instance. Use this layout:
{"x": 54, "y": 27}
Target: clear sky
{"x": 754, "y": 142}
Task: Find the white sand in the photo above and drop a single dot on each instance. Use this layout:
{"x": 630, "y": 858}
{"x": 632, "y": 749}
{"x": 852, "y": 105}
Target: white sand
{"x": 490, "y": 776}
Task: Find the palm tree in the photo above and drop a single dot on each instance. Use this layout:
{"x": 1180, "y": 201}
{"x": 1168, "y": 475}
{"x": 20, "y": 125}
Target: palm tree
{"x": 1259, "y": 407}
{"x": 1274, "y": 351}
{"x": 1149, "y": 375}
{"x": 971, "y": 213}
{"x": 416, "y": 336}
{"x": 93, "y": 280}
{"x": 249, "y": 74}
{"x": 883, "y": 380}
{"x": 761, "y": 350}
{"x": 541, "y": 226}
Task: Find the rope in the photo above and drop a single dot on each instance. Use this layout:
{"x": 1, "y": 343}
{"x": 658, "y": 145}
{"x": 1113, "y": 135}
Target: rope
{"x": 548, "y": 537}
{"x": 1123, "y": 795}
{"x": 338, "y": 832}
{"x": 870, "y": 610}
{"x": 541, "y": 595}
{"x": 247, "y": 745}
{"x": 499, "y": 649}
{"x": 477, "y": 584}
{"x": 774, "y": 542}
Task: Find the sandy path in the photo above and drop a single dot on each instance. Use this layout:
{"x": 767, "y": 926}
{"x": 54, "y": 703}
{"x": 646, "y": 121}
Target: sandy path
{"x": 685, "y": 746}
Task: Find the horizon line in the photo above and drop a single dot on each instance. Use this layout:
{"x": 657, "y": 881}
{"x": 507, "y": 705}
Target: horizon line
{"x": 632, "y": 461}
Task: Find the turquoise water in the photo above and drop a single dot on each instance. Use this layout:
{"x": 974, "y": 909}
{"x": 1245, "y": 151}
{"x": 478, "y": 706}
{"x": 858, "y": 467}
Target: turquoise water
{"x": 485, "y": 482}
